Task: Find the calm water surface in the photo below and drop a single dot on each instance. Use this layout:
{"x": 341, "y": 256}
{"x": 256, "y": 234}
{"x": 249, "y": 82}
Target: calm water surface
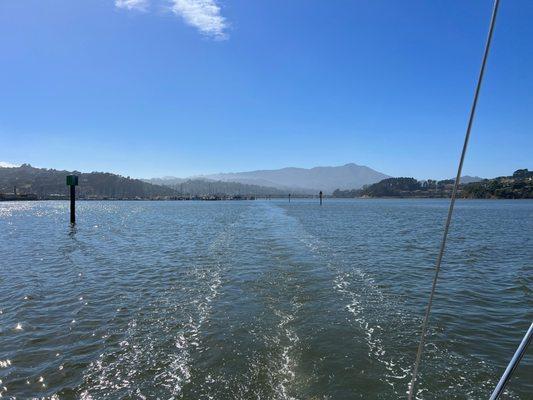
{"x": 261, "y": 299}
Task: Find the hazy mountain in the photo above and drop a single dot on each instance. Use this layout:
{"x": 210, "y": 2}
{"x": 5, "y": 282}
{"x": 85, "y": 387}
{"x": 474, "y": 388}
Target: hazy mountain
{"x": 327, "y": 179}
{"x": 469, "y": 179}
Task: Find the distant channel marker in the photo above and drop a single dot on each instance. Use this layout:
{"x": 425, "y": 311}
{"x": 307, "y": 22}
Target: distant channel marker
{"x": 72, "y": 181}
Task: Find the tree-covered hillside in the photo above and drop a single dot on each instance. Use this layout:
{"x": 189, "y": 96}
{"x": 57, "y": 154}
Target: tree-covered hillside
{"x": 50, "y": 183}
{"x": 517, "y": 186}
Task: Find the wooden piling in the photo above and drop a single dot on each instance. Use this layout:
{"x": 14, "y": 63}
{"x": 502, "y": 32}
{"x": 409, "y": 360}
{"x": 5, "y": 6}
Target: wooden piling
{"x": 320, "y": 195}
{"x": 72, "y": 182}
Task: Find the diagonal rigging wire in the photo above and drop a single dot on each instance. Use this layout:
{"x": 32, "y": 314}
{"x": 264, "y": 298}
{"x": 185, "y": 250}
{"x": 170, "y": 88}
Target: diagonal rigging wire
{"x": 452, "y": 201}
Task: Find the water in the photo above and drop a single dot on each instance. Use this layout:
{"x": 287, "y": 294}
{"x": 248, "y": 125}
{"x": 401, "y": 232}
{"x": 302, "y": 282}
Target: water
{"x": 261, "y": 299}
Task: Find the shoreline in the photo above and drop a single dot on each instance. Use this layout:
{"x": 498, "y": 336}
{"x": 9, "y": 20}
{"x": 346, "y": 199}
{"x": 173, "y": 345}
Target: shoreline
{"x": 259, "y": 198}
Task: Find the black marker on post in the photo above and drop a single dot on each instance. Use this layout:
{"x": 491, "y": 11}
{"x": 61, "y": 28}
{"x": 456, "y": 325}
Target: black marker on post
{"x": 72, "y": 181}
{"x": 320, "y": 195}
{"x": 289, "y": 197}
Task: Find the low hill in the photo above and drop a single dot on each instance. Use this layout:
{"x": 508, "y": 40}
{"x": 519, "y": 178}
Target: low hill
{"x": 517, "y": 186}
{"x": 51, "y": 183}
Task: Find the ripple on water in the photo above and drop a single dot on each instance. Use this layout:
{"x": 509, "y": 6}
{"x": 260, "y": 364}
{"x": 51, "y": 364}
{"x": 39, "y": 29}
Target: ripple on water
{"x": 260, "y": 300}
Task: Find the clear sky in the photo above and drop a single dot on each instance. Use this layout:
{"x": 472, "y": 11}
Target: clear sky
{"x": 180, "y": 87}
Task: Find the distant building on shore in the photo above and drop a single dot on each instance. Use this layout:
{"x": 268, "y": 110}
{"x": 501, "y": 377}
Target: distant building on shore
{"x": 15, "y": 196}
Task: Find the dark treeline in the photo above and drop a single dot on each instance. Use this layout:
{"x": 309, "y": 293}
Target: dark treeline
{"x": 517, "y": 186}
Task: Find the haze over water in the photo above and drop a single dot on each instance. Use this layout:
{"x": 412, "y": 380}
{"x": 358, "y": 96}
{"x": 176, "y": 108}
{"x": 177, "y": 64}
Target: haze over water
{"x": 261, "y": 299}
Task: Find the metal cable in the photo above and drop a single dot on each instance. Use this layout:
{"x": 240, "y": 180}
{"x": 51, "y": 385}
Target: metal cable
{"x": 452, "y": 201}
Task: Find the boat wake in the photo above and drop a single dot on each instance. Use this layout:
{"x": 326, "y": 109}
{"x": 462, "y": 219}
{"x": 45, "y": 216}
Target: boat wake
{"x": 162, "y": 341}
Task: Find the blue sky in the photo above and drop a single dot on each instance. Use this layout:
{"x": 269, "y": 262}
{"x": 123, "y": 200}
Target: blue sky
{"x": 182, "y": 87}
